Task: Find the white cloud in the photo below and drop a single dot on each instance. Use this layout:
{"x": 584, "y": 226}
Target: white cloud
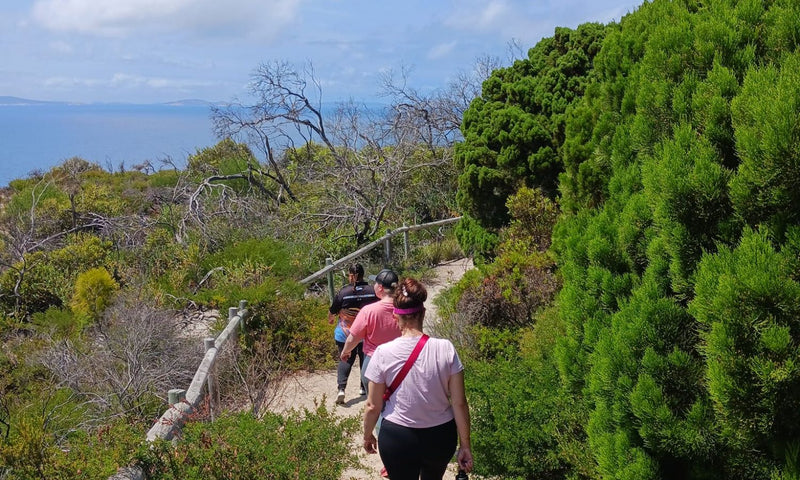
{"x": 441, "y": 50}
{"x": 125, "y": 17}
{"x": 121, "y": 81}
{"x": 124, "y": 80}
{"x": 481, "y": 15}
{"x": 61, "y": 47}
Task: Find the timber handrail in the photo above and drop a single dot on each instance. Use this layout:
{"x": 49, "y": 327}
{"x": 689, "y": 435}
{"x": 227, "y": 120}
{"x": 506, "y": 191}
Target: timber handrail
{"x": 182, "y": 403}
{"x": 366, "y": 248}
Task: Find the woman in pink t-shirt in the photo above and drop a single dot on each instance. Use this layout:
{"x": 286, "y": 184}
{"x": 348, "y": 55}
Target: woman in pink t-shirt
{"x": 428, "y": 412}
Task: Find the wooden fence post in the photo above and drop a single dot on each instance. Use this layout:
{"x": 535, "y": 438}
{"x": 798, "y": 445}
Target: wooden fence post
{"x": 176, "y": 395}
{"x": 405, "y": 241}
{"x": 387, "y": 249}
{"x": 331, "y": 288}
{"x": 211, "y": 382}
{"x": 242, "y": 308}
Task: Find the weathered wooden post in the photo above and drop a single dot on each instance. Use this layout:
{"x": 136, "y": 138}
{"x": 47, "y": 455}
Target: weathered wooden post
{"x": 405, "y": 241}
{"x": 176, "y": 395}
{"x": 331, "y": 288}
{"x": 232, "y": 312}
{"x": 242, "y": 308}
{"x": 211, "y": 382}
{"x": 387, "y": 249}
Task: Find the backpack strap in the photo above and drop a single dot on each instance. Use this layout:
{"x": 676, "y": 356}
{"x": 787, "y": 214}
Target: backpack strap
{"x": 400, "y": 376}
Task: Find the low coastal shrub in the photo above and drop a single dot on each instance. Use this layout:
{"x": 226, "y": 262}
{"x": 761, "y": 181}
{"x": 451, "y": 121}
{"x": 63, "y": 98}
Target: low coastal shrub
{"x": 93, "y": 292}
{"x": 298, "y": 445}
{"x": 294, "y": 330}
{"x": 34, "y": 449}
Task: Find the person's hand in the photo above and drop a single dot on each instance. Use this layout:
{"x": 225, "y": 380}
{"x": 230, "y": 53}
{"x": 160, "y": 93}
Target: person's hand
{"x": 371, "y": 444}
{"x": 465, "y": 459}
{"x": 345, "y": 356}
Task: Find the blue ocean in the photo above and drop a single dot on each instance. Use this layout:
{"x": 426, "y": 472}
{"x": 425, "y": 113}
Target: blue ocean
{"x": 40, "y": 136}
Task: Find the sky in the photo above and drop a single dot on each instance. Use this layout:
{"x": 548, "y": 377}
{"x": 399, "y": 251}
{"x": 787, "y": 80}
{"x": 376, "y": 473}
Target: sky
{"x": 153, "y": 51}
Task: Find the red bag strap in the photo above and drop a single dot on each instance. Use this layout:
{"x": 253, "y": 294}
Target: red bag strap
{"x": 400, "y": 376}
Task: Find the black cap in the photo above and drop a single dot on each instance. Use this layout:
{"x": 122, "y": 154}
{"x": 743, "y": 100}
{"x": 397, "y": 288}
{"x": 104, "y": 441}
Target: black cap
{"x": 386, "y": 278}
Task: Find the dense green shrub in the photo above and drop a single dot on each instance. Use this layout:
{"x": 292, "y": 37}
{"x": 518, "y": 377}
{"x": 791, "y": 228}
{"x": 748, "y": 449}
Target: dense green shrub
{"x": 764, "y": 117}
{"x": 678, "y": 346}
{"x": 294, "y": 330}
{"x": 748, "y": 305}
{"x": 94, "y": 290}
{"x": 98, "y": 454}
{"x": 42, "y": 443}
{"x": 47, "y": 279}
{"x": 521, "y": 278}
{"x": 474, "y": 239}
{"x": 520, "y": 417}
{"x": 300, "y": 445}
{"x": 60, "y": 322}
{"x": 513, "y": 132}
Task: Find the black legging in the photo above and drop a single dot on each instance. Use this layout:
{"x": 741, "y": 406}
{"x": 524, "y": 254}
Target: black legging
{"x": 416, "y": 453}
{"x": 343, "y": 368}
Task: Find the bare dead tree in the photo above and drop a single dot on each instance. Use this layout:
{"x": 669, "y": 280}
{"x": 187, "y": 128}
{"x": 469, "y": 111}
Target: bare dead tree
{"x": 138, "y": 356}
{"x": 357, "y": 159}
{"x": 435, "y": 118}
{"x": 284, "y": 109}
{"x": 203, "y": 194}
{"x": 288, "y": 110}
{"x": 256, "y": 378}
{"x": 26, "y": 231}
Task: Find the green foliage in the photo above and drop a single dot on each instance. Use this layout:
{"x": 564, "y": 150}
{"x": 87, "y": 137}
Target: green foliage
{"x": 514, "y": 132}
{"x": 686, "y": 185}
{"x": 48, "y": 279}
{"x": 225, "y": 158}
{"x": 292, "y": 329}
{"x": 441, "y": 249}
{"x": 678, "y": 343}
{"x": 474, "y": 239}
{"x": 748, "y": 304}
{"x": 764, "y": 116}
{"x": 42, "y": 443}
{"x": 59, "y": 321}
{"x": 276, "y": 257}
{"x": 301, "y": 445}
{"x": 94, "y": 290}
{"x": 521, "y": 421}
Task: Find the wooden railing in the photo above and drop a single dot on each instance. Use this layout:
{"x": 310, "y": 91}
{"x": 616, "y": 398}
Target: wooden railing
{"x": 182, "y": 403}
{"x": 385, "y": 240}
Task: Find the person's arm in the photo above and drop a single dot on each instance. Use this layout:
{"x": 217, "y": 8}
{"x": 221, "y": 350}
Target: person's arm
{"x": 458, "y": 399}
{"x": 371, "y": 413}
{"x": 336, "y": 305}
{"x": 349, "y": 345}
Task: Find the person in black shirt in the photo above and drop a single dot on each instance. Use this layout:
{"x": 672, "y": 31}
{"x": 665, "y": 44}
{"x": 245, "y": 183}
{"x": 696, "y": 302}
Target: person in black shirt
{"x": 345, "y": 306}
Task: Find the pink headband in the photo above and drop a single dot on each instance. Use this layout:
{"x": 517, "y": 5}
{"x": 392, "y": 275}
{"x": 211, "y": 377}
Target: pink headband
{"x": 408, "y": 311}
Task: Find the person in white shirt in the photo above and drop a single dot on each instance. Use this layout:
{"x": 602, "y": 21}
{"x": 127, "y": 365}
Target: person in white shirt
{"x": 428, "y": 412}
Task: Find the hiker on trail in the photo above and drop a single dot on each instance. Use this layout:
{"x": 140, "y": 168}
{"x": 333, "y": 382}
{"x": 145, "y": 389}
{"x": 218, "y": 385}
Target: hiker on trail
{"x": 374, "y": 323}
{"x": 346, "y": 305}
{"x": 424, "y": 409}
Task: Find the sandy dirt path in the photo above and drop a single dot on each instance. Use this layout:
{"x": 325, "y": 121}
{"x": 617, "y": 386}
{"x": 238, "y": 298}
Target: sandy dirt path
{"x": 307, "y": 390}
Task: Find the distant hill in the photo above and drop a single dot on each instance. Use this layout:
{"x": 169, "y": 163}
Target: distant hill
{"x": 8, "y": 100}
{"x": 5, "y": 100}
{"x": 192, "y": 102}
